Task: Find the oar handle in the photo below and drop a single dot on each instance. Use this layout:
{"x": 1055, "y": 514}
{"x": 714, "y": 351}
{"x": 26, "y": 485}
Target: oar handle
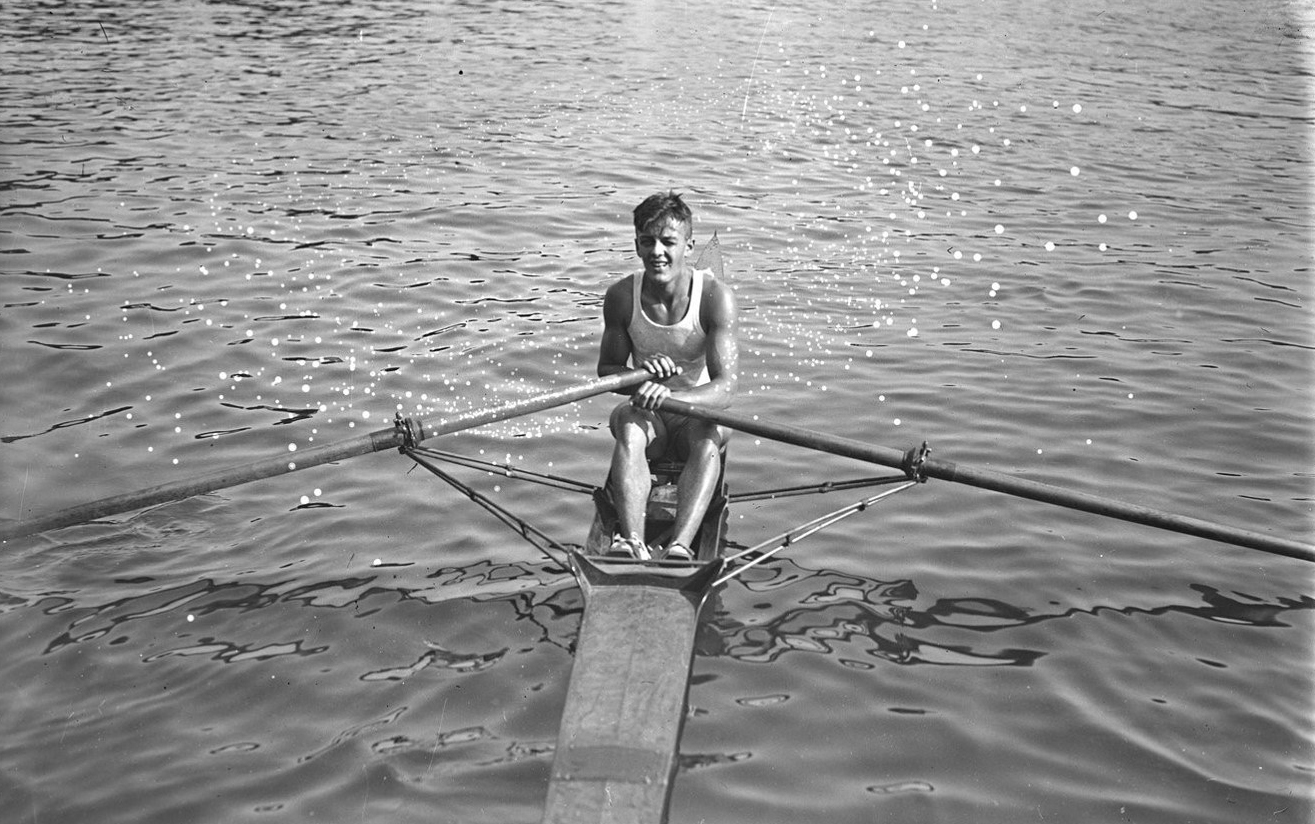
{"x": 927, "y": 467}
{"x": 407, "y": 430}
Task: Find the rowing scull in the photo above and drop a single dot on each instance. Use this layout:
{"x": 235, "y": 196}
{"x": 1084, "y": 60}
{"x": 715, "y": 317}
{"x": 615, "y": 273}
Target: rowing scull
{"x": 618, "y": 740}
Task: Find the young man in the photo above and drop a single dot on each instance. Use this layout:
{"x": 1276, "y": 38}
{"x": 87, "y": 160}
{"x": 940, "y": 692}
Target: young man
{"x": 679, "y": 324}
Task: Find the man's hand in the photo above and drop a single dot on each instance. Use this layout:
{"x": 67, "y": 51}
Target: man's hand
{"x": 650, "y": 395}
{"x": 661, "y": 367}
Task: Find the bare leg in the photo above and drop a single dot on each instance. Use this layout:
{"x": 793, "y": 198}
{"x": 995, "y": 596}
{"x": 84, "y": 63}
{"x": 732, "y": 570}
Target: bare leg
{"x": 630, "y": 479}
{"x": 698, "y": 482}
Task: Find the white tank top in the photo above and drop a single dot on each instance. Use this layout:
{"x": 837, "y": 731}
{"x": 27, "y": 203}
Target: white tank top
{"x": 683, "y": 341}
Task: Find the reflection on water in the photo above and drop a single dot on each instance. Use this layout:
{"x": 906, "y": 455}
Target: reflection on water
{"x": 816, "y": 611}
{"x": 828, "y": 613}
{"x": 225, "y": 633}
{"x": 853, "y": 616}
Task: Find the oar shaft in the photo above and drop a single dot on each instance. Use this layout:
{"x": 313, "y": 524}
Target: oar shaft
{"x": 999, "y": 482}
{"x": 433, "y": 427}
{"x": 786, "y": 433}
{"x": 201, "y": 484}
{"x": 1100, "y": 505}
{"x": 315, "y": 456}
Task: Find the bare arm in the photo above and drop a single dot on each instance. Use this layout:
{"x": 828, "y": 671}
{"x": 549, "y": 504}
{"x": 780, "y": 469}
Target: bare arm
{"x": 614, "y": 351}
{"x": 720, "y": 322}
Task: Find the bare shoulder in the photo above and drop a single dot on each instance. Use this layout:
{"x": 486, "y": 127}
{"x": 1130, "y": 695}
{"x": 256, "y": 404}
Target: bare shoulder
{"x": 617, "y": 301}
{"x": 718, "y": 302}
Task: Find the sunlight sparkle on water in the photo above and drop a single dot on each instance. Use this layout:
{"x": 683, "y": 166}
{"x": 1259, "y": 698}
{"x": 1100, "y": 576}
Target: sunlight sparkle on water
{"x": 362, "y": 338}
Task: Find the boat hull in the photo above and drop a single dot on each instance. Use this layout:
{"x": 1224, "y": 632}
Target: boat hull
{"x": 625, "y": 707}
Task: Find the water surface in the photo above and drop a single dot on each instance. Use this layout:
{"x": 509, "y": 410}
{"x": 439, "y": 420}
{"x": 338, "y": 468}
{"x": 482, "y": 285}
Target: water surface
{"x": 1070, "y": 244}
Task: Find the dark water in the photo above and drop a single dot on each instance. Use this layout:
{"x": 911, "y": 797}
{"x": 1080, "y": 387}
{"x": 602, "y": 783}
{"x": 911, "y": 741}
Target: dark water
{"x": 1071, "y": 244}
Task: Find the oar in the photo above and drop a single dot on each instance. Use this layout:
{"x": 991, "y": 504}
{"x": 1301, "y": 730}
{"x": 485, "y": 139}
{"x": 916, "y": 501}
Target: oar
{"x": 406, "y": 431}
{"x": 921, "y": 466}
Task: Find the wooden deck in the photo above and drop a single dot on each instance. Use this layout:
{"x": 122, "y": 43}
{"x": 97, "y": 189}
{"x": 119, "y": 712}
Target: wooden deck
{"x": 625, "y": 707}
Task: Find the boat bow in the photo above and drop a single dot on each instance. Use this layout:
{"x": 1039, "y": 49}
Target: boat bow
{"x": 625, "y": 706}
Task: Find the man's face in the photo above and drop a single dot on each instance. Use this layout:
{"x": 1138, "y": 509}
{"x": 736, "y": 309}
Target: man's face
{"x": 662, "y": 247}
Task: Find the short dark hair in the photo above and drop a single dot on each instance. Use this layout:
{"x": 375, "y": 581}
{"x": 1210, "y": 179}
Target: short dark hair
{"x": 661, "y": 207}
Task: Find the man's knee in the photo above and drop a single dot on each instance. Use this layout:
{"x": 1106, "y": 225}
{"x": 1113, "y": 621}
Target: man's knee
{"x": 623, "y": 417}
{"x": 713, "y": 433}
{"x": 706, "y": 438}
{"x": 633, "y": 426}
